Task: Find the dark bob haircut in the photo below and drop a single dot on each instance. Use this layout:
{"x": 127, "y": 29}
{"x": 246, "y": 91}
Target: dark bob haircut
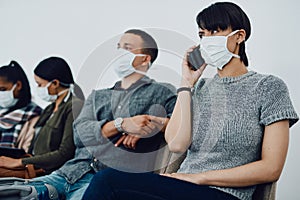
{"x": 224, "y": 15}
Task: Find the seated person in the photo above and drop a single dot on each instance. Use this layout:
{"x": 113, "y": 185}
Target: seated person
{"x": 53, "y": 144}
{"x": 119, "y": 116}
{"x": 234, "y": 125}
{"x": 18, "y": 114}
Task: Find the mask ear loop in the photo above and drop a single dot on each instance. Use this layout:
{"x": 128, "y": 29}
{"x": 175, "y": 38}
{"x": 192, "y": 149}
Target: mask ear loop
{"x": 136, "y": 70}
{"x": 71, "y": 89}
{"x": 48, "y": 84}
{"x": 231, "y": 34}
{"x": 14, "y": 87}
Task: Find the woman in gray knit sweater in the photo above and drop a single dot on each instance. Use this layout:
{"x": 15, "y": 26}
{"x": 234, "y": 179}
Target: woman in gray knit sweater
{"x": 234, "y": 126}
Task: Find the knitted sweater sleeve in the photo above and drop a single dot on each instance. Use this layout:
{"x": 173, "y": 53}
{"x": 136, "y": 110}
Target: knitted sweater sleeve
{"x": 275, "y": 103}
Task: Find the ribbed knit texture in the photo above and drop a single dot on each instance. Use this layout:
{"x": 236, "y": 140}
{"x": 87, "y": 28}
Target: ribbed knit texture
{"x": 229, "y": 116}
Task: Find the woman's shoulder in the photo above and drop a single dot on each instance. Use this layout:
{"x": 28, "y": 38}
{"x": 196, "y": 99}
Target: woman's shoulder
{"x": 74, "y": 101}
{"x": 73, "y": 105}
{"x": 202, "y": 82}
{"x": 268, "y": 81}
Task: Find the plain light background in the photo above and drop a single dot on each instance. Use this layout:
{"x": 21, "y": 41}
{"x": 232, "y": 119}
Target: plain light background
{"x": 32, "y": 30}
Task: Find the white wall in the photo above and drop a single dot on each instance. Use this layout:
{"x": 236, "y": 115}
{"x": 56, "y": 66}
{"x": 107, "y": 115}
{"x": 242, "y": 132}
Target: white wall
{"x": 33, "y": 29}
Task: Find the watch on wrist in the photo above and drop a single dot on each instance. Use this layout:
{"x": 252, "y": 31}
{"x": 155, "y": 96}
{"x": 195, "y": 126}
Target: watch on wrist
{"x": 118, "y": 124}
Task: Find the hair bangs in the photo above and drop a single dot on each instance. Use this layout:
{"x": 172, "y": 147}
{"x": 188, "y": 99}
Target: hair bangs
{"x": 213, "y": 18}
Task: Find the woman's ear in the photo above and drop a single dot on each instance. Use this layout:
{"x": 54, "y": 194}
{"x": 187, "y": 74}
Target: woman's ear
{"x": 241, "y": 36}
{"x": 17, "y": 89}
{"x": 19, "y": 85}
{"x": 55, "y": 83}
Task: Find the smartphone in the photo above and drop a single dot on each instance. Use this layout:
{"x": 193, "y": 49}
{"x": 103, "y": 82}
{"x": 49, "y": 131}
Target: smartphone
{"x": 195, "y": 59}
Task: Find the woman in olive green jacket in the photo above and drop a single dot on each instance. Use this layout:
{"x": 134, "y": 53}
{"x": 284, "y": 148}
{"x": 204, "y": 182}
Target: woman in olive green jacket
{"x": 53, "y": 144}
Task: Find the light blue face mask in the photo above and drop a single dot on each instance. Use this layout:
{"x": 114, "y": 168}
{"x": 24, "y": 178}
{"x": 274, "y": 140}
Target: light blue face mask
{"x": 7, "y": 99}
{"x": 123, "y": 65}
{"x": 43, "y": 93}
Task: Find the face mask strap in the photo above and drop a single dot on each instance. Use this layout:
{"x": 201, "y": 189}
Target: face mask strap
{"x": 236, "y": 56}
{"x": 140, "y": 72}
{"x": 232, "y": 33}
{"x": 48, "y": 84}
{"x": 14, "y": 86}
{"x": 61, "y": 92}
{"x": 136, "y": 70}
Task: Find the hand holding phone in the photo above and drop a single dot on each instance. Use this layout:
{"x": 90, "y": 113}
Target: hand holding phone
{"x": 195, "y": 59}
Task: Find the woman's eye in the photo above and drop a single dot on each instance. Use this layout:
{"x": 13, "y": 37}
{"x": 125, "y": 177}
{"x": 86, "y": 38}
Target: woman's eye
{"x": 214, "y": 32}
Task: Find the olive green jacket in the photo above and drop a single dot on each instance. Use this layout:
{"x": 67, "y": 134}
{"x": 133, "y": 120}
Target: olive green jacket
{"x": 53, "y": 144}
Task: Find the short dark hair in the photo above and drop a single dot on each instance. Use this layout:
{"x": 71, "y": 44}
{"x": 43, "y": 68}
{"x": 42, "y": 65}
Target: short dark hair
{"x": 224, "y": 15}
{"x": 13, "y": 73}
{"x": 149, "y": 44}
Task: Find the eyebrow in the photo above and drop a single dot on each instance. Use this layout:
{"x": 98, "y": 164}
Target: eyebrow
{"x": 125, "y": 44}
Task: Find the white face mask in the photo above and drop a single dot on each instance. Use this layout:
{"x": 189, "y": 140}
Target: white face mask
{"x": 215, "y": 52}
{"x": 7, "y": 99}
{"x": 43, "y": 93}
{"x": 123, "y": 65}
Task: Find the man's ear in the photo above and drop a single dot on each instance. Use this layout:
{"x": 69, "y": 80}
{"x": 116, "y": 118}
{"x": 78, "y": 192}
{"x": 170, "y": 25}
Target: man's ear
{"x": 147, "y": 60}
{"x": 241, "y": 36}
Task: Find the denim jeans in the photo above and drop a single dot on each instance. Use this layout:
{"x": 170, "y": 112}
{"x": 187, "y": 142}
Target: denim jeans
{"x": 69, "y": 191}
{"x": 109, "y": 184}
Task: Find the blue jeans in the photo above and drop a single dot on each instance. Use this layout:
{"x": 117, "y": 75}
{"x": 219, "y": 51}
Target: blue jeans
{"x": 69, "y": 191}
{"x": 111, "y": 184}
